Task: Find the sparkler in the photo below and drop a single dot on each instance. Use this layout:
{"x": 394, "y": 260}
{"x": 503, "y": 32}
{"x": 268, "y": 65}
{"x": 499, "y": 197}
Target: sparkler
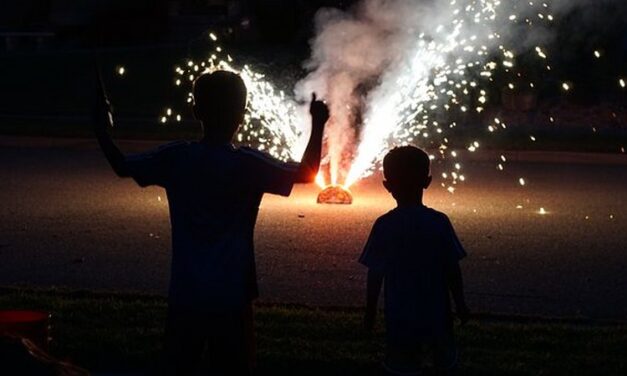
{"x": 444, "y": 73}
{"x": 272, "y": 122}
{"x": 447, "y": 71}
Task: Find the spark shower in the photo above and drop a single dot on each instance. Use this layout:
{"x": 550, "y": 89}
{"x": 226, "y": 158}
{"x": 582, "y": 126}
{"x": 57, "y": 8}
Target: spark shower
{"x": 394, "y": 72}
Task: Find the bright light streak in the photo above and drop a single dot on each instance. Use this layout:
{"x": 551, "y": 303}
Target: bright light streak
{"x": 320, "y": 180}
{"x": 445, "y": 70}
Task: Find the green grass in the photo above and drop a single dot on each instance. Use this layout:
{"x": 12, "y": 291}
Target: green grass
{"x": 107, "y": 331}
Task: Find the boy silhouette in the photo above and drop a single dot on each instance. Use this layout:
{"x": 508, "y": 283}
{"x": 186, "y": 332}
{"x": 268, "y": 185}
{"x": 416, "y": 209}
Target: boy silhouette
{"x": 414, "y": 249}
{"x": 214, "y": 190}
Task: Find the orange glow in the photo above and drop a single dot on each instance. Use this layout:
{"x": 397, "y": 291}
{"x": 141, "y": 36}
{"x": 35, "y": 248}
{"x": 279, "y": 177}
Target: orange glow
{"x": 335, "y": 194}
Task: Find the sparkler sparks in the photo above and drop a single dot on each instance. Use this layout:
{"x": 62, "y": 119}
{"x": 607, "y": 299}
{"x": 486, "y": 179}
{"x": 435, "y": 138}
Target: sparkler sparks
{"x": 272, "y": 121}
{"x": 442, "y": 73}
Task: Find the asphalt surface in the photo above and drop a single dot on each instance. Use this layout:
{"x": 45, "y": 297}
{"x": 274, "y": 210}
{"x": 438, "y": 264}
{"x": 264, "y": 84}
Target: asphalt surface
{"x": 66, "y": 220}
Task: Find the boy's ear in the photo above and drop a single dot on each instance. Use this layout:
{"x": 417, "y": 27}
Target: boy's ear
{"x": 387, "y": 185}
{"x": 428, "y": 182}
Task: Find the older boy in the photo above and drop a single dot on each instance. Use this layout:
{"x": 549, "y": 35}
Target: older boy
{"x": 214, "y": 191}
{"x": 414, "y": 249}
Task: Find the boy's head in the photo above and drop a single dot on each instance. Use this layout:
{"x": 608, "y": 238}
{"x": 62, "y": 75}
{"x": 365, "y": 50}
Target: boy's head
{"x": 406, "y": 172}
{"x": 220, "y": 103}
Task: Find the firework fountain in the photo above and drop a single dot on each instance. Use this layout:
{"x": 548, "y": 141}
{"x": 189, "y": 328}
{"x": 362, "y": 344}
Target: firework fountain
{"x": 394, "y": 72}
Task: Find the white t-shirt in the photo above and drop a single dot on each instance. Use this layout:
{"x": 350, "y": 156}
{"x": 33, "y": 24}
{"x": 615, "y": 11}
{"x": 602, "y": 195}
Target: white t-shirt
{"x": 413, "y": 248}
{"x": 214, "y": 194}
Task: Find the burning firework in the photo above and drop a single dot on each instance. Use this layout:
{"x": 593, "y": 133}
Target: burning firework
{"x": 429, "y": 65}
{"x": 335, "y": 194}
{"x": 394, "y": 73}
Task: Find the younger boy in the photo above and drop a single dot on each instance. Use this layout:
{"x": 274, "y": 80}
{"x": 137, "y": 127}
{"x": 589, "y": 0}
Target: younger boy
{"x": 414, "y": 249}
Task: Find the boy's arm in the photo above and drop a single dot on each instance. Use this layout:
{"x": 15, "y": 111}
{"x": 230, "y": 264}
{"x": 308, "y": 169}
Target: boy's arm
{"x": 310, "y": 163}
{"x": 373, "y": 288}
{"x": 103, "y": 119}
{"x": 456, "y": 286}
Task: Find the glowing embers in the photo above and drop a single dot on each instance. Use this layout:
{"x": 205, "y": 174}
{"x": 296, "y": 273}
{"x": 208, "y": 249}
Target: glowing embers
{"x": 335, "y": 194}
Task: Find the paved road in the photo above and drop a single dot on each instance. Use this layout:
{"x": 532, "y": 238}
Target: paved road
{"x": 65, "y": 220}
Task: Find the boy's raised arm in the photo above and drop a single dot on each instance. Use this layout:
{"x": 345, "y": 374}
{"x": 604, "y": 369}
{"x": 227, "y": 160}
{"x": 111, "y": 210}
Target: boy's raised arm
{"x": 310, "y": 162}
{"x": 103, "y": 119}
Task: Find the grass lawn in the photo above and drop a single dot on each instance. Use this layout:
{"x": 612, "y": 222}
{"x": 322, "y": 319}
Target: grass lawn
{"x": 108, "y": 332}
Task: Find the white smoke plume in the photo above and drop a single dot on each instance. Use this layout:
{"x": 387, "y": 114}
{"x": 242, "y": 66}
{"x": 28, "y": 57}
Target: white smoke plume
{"x": 390, "y": 68}
{"x": 350, "y": 52}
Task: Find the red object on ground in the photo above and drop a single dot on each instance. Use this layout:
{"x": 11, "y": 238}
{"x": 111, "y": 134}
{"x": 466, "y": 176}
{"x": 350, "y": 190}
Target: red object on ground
{"x": 32, "y": 325}
{"x": 335, "y": 194}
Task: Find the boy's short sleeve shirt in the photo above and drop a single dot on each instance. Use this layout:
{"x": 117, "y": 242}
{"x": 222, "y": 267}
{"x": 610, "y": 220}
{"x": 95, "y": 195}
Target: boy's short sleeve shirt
{"x": 155, "y": 166}
{"x": 373, "y": 255}
{"x": 213, "y": 194}
{"x": 263, "y": 171}
{"x": 413, "y": 249}
{"x": 269, "y": 174}
{"x": 454, "y": 249}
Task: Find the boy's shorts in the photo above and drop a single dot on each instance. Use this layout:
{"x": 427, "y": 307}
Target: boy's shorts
{"x": 227, "y": 340}
{"x": 408, "y": 359}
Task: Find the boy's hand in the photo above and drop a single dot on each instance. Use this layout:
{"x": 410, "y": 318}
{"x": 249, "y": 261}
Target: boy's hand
{"x": 319, "y": 112}
{"x": 101, "y": 111}
{"x": 463, "y": 313}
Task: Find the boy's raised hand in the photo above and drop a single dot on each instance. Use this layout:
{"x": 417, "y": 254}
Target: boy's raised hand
{"x": 319, "y": 112}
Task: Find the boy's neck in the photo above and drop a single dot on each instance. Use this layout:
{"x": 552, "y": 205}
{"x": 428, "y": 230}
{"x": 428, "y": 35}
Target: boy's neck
{"x": 404, "y": 202}
{"x": 217, "y": 132}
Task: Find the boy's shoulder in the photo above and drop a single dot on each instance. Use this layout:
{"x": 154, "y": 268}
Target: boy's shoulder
{"x": 172, "y": 146}
{"x": 437, "y": 214}
{"x": 393, "y": 220}
{"x": 160, "y": 151}
{"x": 254, "y": 153}
{"x": 423, "y": 211}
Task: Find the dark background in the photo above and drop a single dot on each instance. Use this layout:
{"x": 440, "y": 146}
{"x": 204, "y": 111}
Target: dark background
{"x": 49, "y": 50}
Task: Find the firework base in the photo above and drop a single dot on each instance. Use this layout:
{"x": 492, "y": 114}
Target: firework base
{"x": 335, "y": 194}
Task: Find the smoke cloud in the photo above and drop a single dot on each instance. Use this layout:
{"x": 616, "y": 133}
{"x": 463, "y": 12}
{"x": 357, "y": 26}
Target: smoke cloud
{"x": 384, "y": 64}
